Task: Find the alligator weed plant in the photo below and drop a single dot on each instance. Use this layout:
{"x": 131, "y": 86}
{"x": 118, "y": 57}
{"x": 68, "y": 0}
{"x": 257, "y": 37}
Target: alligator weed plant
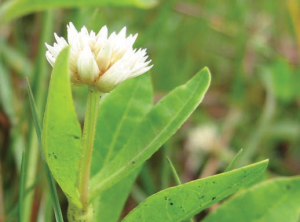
{"x": 96, "y": 167}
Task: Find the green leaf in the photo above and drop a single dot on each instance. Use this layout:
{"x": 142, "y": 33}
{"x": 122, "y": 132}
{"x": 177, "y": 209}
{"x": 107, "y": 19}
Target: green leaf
{"x": 184, "y": 201}
{"x": 120, "y": 112}
{"x": 7, "y": 93}
{"x": 50, "y": 180}
{"x": 159, "y": 124}
{"x": 61, "y": 135}
{"x": 21, "y": 188}
{"x": 232, "y": 163}
{"x": 174, "y": 172}
{"x": 275, "y": 200}
{"x": 16, "y": 60}
{"x": 284, "y": 81}
{"x": 16, "y": 8}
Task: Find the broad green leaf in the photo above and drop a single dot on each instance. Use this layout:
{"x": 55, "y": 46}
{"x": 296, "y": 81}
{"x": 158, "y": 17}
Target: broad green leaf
{"x": 159, "y": 124}
{"x": 119, "y": 113}
{"x": 61, "y": 135}
{"x": 275, "y": 200}
{"x": 16, "y": 8}
{"x": 184, "y": 201}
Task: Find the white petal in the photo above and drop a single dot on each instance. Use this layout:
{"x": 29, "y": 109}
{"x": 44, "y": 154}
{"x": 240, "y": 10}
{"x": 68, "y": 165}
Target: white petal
{"x": 60, "y": 40}
{"x": 72, "y": 33}
{"x": 113, "y": 77}
{"x": 103, "y": 33}
{"x": 122, "y": 33}
{"x": 104, "y": 56}
{"x": 50, "y": 58}
{"x": 140, "y": 71}
{"x": 84, "y": 31}
{"x": 87, "y": 67}
{"x": 53, "y": 50}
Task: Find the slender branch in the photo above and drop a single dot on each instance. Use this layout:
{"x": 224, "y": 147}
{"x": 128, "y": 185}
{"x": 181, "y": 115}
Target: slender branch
{"x": 88, "y": 144}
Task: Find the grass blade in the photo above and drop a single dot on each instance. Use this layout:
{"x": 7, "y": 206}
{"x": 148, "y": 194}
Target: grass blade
{"x": 175, "y": 175}
{"x": 231, "y": 165}
{"x": 54, "y": 197}
{"x": 21, "y": 188}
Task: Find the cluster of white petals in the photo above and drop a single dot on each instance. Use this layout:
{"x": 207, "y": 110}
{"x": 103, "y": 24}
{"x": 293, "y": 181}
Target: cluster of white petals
{"x": 100, "y": 60}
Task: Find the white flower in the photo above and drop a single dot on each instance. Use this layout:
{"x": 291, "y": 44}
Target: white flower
{"x": 100, "y": 60}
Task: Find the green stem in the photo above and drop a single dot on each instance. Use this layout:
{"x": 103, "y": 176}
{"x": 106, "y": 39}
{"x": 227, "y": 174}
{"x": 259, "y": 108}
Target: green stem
{"x": 88, "y": 144}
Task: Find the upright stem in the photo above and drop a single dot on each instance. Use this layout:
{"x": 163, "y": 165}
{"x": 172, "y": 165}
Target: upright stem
{"x": 88, "y": 144}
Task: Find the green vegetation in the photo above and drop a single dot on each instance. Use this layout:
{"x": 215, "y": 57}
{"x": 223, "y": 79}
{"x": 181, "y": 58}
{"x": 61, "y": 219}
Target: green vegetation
{"x": 217, "y": 126}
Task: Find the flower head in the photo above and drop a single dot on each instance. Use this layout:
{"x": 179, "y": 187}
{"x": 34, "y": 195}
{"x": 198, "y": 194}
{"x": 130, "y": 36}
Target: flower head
{"x": 100, "y": 60}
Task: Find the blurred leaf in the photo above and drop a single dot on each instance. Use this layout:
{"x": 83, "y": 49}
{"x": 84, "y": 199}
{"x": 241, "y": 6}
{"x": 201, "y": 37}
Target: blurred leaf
{"x": 16, "y": 60}
{"x": 7, "y": 93}
{"x": 61, "y": 135}
{"x": 21, "y": 188}
{"x": 159, "y": 124}
{"x": 184, "y": 201}
{"x": 275, "y": 200}
{"x": 285, "y": 129}
{"x": 285, "y": 82}
{"x": 16, "y": 8}
{"x": 119, "y": 113}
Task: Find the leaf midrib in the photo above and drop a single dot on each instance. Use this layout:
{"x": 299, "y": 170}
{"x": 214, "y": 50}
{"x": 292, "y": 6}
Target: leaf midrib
{"x": 155, "y": 138}
{"x": 117, "y": 132}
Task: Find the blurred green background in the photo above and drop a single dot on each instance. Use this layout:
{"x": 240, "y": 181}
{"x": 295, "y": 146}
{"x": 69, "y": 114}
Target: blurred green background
{"x": 251, "y": 48}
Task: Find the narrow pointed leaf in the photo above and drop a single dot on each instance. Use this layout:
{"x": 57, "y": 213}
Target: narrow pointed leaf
{"x": 164, "y": 119}
{"x": 275, "y": 200}
{"x": 61, "y": 135}
{"x": 21, "y": 188}
{"x": 50, "y": 180}
{"x": 232, "y": 163}
{"x": 182, "y": 202}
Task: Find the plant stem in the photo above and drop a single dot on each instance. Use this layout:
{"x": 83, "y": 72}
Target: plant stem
{"x": 88, "y": 144}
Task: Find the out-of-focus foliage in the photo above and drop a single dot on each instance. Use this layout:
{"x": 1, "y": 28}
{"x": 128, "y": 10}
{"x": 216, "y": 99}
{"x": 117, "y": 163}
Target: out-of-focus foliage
{"x": 275, "y": 200}
{"x": 250, "y": 47}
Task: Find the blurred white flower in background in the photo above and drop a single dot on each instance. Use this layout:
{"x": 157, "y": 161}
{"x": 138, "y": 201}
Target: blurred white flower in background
{"x": 100, "y": 60}
{"x": 202, "y": 138}
{"x": 200, "y": 141}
